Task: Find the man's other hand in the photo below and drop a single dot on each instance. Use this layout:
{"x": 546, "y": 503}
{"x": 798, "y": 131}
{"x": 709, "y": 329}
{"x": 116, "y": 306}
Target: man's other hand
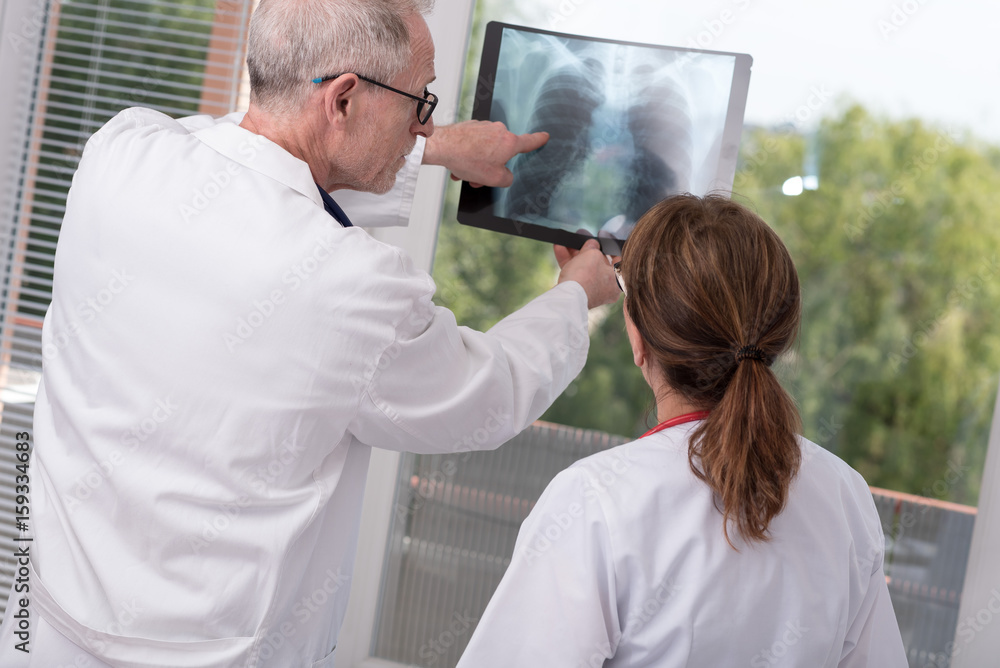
{"x": 478, "y": 151}
{"x": 590, "y": 268}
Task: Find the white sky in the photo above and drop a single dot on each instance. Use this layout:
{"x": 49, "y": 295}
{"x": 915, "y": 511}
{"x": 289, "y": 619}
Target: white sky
{"x": 942, "y": 64}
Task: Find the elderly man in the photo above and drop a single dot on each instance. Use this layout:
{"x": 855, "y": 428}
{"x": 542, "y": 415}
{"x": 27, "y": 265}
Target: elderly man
{"x": 223, "y": 349}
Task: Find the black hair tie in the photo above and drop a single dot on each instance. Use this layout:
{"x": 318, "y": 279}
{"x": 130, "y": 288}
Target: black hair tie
{"x": 750, "y": 353}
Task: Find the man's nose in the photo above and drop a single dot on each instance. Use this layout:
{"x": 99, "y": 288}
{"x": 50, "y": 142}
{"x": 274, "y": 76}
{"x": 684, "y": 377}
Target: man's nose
{"x": 426, "y": 130}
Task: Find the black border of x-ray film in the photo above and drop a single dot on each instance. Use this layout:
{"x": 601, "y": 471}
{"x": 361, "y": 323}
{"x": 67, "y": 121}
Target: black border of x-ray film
{"x": 475, "y": 207}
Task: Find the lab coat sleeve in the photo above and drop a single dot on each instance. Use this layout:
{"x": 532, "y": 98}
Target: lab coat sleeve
{"x": 438, "y": 387}
{"x": 555, "y": 606}
{"x": 391, "y": 209}
{"x": 873, "y": 639}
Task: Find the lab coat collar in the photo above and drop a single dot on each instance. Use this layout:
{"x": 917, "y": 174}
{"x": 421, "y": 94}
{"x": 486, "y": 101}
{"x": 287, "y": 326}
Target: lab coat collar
{"x": 260, "y": 154}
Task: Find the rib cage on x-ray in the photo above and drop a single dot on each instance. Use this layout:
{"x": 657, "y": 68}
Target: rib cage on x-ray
{"x": 564, "y": 108}
{"x": 661, "y": 129}
{"x": 602, "y": 104}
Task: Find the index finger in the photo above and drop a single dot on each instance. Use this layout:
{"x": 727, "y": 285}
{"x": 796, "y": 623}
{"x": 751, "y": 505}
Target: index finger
{"x": 531, "y": 142}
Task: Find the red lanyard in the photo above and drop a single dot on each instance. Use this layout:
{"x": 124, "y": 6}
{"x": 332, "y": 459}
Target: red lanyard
{"x": 680, "y": 419}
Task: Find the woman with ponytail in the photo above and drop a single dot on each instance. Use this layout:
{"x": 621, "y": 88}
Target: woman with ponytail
{"x": 722, "y": 537}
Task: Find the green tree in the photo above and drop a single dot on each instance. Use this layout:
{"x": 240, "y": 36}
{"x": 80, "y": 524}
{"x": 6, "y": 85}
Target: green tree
{"x": 897, "y": 251}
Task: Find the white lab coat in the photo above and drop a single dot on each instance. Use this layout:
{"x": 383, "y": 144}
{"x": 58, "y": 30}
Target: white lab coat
{"x": 220, "y": 356}
{"x": 622, "y": 562}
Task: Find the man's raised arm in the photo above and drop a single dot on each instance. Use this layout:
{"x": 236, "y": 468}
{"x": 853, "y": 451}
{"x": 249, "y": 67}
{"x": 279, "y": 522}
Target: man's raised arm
{"x": 474, "y": 151}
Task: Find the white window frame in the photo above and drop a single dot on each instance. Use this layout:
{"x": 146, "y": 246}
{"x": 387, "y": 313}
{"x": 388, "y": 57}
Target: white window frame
{"x": 451, "y": 26}
{"x": 976, "y": 643}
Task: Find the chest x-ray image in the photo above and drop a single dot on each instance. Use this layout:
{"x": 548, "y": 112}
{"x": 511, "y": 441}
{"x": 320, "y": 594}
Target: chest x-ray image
{"x": 629, "y": 125}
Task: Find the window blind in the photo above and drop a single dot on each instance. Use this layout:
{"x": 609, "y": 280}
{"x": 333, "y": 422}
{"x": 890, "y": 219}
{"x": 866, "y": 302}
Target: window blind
{"x": 95, "y": 58}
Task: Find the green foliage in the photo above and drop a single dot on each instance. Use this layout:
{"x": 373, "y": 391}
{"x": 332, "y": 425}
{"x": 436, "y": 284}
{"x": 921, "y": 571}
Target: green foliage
{"x": 898, "y": 252}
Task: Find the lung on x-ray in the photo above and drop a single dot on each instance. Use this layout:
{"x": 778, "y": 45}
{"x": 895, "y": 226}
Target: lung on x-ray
{"x": 629, "y": 124}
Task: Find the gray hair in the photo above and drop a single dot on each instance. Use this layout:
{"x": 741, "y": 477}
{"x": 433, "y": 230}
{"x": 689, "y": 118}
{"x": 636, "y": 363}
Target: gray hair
{"x": 294, "y": 41}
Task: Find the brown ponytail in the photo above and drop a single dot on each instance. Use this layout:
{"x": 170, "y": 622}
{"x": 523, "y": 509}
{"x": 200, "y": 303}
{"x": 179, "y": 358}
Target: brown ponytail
{"x": 715, "y": 297}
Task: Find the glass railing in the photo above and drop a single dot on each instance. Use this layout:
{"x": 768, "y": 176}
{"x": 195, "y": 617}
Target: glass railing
{"x": 457, "y": 517}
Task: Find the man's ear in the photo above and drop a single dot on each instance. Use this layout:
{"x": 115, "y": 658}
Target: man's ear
{"x": 340, "y": 99}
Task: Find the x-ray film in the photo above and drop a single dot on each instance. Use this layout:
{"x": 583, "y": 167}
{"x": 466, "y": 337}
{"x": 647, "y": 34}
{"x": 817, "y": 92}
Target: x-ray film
{"x": 629, "y": 124}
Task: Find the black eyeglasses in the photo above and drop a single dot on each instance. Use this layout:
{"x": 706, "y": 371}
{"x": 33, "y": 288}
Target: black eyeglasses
{"x": 425, "y": 104}
{"x": 618, "y": 277}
